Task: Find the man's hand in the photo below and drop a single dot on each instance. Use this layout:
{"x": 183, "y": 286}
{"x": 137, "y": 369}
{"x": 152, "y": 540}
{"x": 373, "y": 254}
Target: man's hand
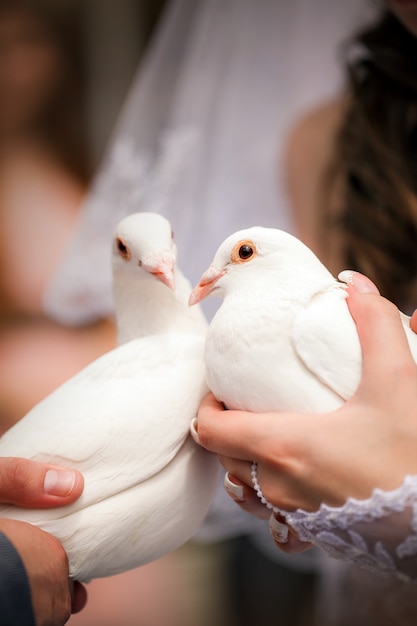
{"x": 29, "y": 484}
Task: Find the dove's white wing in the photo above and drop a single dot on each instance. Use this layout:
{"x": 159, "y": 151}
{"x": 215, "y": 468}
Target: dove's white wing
{"x": 326, "y": 340}
{"x": 122, "y": 419}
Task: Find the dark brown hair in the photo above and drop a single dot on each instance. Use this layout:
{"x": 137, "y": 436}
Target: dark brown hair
{"x": 376, "y": 160}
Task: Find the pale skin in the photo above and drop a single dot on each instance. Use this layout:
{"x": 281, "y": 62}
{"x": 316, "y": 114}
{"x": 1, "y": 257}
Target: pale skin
{"x": 304, "y": 459}
{"x": 30, "y": 484}
{"x": 309, "y": 153}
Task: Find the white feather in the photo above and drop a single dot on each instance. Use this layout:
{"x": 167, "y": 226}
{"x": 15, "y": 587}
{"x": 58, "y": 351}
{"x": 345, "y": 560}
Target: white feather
{"x": 283, "y": 338}
{"x": 123, "y": 422}
{"x": 149, "y": 238}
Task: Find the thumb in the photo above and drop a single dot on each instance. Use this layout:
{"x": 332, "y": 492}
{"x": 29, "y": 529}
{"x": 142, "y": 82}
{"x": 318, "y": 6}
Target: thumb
{"x": 37, "y": 485}
{"x": 380, "y": 329}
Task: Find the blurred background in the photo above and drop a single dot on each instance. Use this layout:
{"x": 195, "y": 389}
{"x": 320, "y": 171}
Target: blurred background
{"x": 65, "y": 70}
{"x": 112, "y": 38}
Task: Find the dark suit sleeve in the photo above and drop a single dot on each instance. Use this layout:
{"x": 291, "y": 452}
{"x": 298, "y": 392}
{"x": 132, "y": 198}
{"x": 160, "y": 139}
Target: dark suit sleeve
{"x": 15, "y": 599}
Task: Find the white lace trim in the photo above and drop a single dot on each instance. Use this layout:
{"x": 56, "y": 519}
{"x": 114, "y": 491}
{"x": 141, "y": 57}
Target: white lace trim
{"x": 379, "y": 533}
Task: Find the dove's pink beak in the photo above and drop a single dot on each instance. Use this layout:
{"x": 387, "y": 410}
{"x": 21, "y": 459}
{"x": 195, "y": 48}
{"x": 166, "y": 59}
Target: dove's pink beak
{"x": 162, "y": 268}
{"x": 206, "y": 285}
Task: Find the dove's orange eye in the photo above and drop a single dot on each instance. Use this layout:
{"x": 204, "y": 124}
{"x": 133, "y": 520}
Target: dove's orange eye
{"x": 123, "y": 249}
{"x": 243, "y": 251}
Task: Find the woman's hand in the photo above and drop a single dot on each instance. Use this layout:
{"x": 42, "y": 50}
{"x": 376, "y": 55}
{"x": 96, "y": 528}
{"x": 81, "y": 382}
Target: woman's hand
{"x": 37, "y": 485}
{"x": 306, "y": 459}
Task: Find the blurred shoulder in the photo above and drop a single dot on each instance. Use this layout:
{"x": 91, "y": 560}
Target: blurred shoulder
{"x": 315, "y": 130}
{"x": 310, "y": 149}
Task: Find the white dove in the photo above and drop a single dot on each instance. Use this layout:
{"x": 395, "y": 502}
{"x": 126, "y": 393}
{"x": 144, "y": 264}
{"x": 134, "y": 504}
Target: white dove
{"x": 283, "y": 338}
{"x": 144, "y": 250}
{"x": 123, "y": 422}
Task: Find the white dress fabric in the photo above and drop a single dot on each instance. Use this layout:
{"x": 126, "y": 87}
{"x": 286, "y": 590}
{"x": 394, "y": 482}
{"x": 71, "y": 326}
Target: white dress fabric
{"x": 379, "y": 533}
{"x": 200, "y": 140}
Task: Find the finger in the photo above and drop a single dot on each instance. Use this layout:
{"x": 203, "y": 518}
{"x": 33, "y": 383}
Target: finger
{"x": 357, "y": 280}
{"x": 294, "y": 546}
{"x": 240, "y": 470}
{"x": 37, "y": 485}
{"x": 211, "y": 404}
{"x": 78, "y": 597}
{"x": 230, "y": 433}
{"x": 378, "y": 322}
{"x": 285, "y": 538}
{"x": 245, "y": 497}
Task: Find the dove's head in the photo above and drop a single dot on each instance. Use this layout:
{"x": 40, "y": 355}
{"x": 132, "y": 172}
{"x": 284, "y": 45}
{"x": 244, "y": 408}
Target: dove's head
{"x": 144, "y": 242}
{"x": 257, "y": 256}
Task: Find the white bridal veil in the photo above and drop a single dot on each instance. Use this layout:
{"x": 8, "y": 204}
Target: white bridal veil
{"x": 200, "y": 136}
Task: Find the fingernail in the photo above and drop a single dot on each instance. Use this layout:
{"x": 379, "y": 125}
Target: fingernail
{"x": 235, "y": 491}
{"x": 360, "y": 282}
{"x": 59, "y": 482}
{"x": 278, "y": 530}
{"x": 194, "y": 430}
